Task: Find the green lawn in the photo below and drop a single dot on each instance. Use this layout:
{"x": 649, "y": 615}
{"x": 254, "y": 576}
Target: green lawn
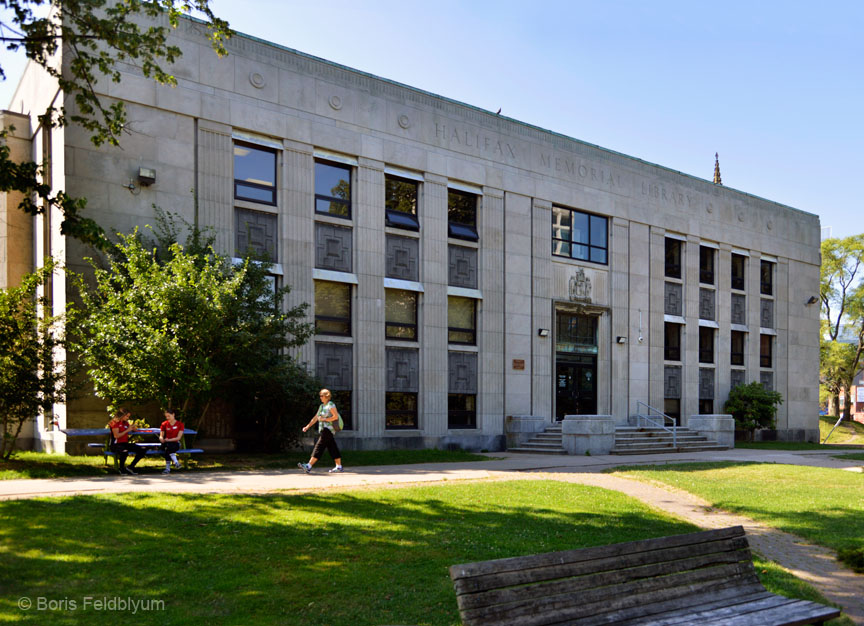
{"x": 41, "y": 465}
{"x": 823, "y": 505}
{"x": 377, "y": 556}
{"x": 848, "y": 432}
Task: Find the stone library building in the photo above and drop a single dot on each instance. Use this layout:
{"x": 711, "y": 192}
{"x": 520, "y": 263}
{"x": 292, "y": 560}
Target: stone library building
{"x": 463, "y": 270}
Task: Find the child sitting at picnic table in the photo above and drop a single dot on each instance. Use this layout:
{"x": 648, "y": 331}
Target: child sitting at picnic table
{"x": 170, "y": 434}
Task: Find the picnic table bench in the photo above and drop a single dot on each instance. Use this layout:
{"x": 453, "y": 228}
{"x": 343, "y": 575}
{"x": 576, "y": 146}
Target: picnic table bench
{"x": 698, "y": 578}
{"x": 151, "y": 449}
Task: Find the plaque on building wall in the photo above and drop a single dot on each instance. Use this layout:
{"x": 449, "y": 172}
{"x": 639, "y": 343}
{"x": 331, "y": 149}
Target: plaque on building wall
{"x": 580, "y": 287}
{"x": 518, "y": 364}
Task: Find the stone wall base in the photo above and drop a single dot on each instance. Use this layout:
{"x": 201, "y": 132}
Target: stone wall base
{"x": 588, "y": 434}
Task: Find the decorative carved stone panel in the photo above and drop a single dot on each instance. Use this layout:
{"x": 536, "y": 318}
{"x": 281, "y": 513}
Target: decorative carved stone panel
{"x": 766, "y": 314}
{"x": 673, "y": 298}
{"x": 255, "y": 232}
{"x": 739, "y": 309}
{"x": 333, "y": 247}
{"x": 707, "y": 299}
{"x": 767, "y": 380}
{"x": 672, "y": 381}
{"x": 738, "y": 377}
{"x": 334, "y": 365}
{"x": 462, "y": 368}
{"x": 463, "y": 267}
{"x": 706, "y": 383}
{"x": 403, "y": 254}
{"x": 403, "y": 369}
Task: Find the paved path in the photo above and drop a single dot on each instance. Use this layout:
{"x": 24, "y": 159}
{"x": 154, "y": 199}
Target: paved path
{"x": 812, "y": 563}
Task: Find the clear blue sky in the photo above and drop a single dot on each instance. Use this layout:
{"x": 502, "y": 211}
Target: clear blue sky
{"x": 777, "y": 88}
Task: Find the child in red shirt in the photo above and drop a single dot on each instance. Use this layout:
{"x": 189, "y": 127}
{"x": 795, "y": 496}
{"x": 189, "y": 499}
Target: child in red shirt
{"x": 120, "y": 444}
{"x": 170, "y": 433}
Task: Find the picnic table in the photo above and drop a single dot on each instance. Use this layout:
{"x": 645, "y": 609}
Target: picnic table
{"x": 151, "y": 449}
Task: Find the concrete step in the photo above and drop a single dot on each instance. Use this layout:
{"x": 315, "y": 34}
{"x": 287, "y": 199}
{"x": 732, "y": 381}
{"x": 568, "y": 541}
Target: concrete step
{"x": 668, "y": 450}
{"x": 548, "y": 450}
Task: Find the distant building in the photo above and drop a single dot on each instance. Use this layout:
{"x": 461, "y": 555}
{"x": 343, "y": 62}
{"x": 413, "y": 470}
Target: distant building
{"x": 462, "y": 267}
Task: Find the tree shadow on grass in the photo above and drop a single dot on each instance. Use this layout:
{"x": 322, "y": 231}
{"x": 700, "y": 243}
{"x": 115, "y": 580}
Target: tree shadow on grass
{"x": 336, "y": 558}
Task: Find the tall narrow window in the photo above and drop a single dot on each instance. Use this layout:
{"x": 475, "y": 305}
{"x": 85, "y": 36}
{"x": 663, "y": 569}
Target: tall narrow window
{"x": 766, "y": 350}
{"x": 739, "y": 265}
{"x": 706, "y": 344}
{"x": 673, "y": 258}
{"x": 461, "y": 410}
{"x": 737, "y": 348}
{"x": 332, "y": 308}
{"x": 400, "y": 314}
{"x": 579, "y": 235}
{"x": 672, "y": 341}
{"x": 706, "y": 265}
{"x": 461, "y": 320}
{"x": 462, "y": 215}
{"x": 766, "y": 278}
{"x": 333, "y": 189}
{"x": 400, "y": 202}
{"x": 254, "y": 173}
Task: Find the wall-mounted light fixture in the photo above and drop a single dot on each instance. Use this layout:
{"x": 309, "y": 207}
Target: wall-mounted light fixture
{"x": 146, "y": 176}
{"x": 812, "y": 300}
{"x": 543, "y": 332}
{"x": 620, "y": 339}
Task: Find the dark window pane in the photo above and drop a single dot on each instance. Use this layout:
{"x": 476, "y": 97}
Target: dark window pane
{"x": 580, "y": 252}
{"x": 333, "y": 189}
{"x": 706, "y": 345}
{"x": 461, "y": 320}
{"x": 400, "y": 195}
{"x": 598, "y": 231}
{"x": 461, "y": 410}
{"x": 765, "y": 350}
{"x": 254, "y": 173}
{"x": 576, "y": 333}
{"x": 706, "y": 407}
{"x": 560, "y": 248}
{"x": 598, "y": 255}
{"x": 737, "y": 348}
{"x": 401, "y": 220}
{"x": 766, "y": 286}
{"x": 671, "y": 341}
{"x": 580, "y": 227}
{"x": 672, "y": 408}
{"x": 401, "y": 314}
{"x": 739, "y": 263}
{"x": 462, "y": 207}
{"x": 673, "y": 258}
{"x": 401, "y": 410}
{"x": 332, "y": 308}
{"x": 561, "y": 224}
{"x": 706, "y": 265}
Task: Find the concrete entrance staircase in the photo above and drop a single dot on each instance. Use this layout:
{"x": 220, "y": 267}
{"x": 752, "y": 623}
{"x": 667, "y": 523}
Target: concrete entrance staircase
{"x": 547, "y": 442}
{"x": 645, "y": 440}
{"x": 628, "y": 440}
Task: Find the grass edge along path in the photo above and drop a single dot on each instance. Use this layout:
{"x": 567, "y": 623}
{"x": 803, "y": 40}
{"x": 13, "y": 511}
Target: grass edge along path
{"x": 25, "y": 465}
{"x": 351, "y": 557}
{"x": 824, "y": 506}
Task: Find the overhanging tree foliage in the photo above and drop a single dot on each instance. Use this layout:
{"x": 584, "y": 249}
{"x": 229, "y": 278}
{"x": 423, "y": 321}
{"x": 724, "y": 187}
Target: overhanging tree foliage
{"x": 187, "y": 327}
{"x": 842, "y": 316}
{"x": 31, "y": 378}
{"x": 96, "y": 36}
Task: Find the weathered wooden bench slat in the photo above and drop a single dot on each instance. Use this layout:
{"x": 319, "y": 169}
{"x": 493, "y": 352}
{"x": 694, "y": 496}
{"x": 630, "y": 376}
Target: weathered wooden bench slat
{"x": 586, "y": 580}
{"x": 704, "y": 578}
{"x": 519, "y": 563}
{"x": 613, "y": 598}
{"x": 599, "y": 566}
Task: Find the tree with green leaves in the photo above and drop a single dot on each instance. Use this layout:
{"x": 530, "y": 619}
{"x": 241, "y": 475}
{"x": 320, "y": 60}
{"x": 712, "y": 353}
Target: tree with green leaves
{"x": 93, "y": 37}
{"x": 753, "y": 406}
{"x": 32, "y": 379}
{"x": 184, "y": 327}
{"x": 842, "y": 316}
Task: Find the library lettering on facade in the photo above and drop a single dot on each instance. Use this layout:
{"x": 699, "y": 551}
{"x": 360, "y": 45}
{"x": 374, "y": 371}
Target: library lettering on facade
{"x": 462, "y": 268}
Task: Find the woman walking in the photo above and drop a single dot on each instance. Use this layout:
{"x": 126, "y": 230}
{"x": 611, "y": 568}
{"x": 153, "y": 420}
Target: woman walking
{"x": 327, "y": 416}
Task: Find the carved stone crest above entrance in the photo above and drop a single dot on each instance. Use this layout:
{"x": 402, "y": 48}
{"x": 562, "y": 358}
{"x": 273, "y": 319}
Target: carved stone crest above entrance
{"x": 580, "y": 287}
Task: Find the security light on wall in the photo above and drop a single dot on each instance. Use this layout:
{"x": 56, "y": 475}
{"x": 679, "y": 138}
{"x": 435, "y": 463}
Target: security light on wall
{"x": 621, "y": 340}
{"x": 543, "y": 332}
{"x": 812, "y": 300}
{"x": 146, "y": 176}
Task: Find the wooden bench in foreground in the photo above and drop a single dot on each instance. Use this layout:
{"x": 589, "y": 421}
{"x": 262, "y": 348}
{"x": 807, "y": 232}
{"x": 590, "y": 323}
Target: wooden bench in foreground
{"x": 699, "y": 578}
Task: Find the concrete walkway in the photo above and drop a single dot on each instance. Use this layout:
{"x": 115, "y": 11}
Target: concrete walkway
{"x": 812, "y": 563}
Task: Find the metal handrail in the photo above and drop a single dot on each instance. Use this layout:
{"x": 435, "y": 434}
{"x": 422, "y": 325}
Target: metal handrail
{"x": 648, "y": 418}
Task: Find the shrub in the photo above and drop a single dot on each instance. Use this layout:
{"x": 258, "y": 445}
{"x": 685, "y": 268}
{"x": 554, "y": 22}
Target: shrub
{"x": 753, "y": 406}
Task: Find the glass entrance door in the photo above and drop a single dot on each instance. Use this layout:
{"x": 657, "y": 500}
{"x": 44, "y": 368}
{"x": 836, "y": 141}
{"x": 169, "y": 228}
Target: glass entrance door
{"x": 575, "y": 386}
